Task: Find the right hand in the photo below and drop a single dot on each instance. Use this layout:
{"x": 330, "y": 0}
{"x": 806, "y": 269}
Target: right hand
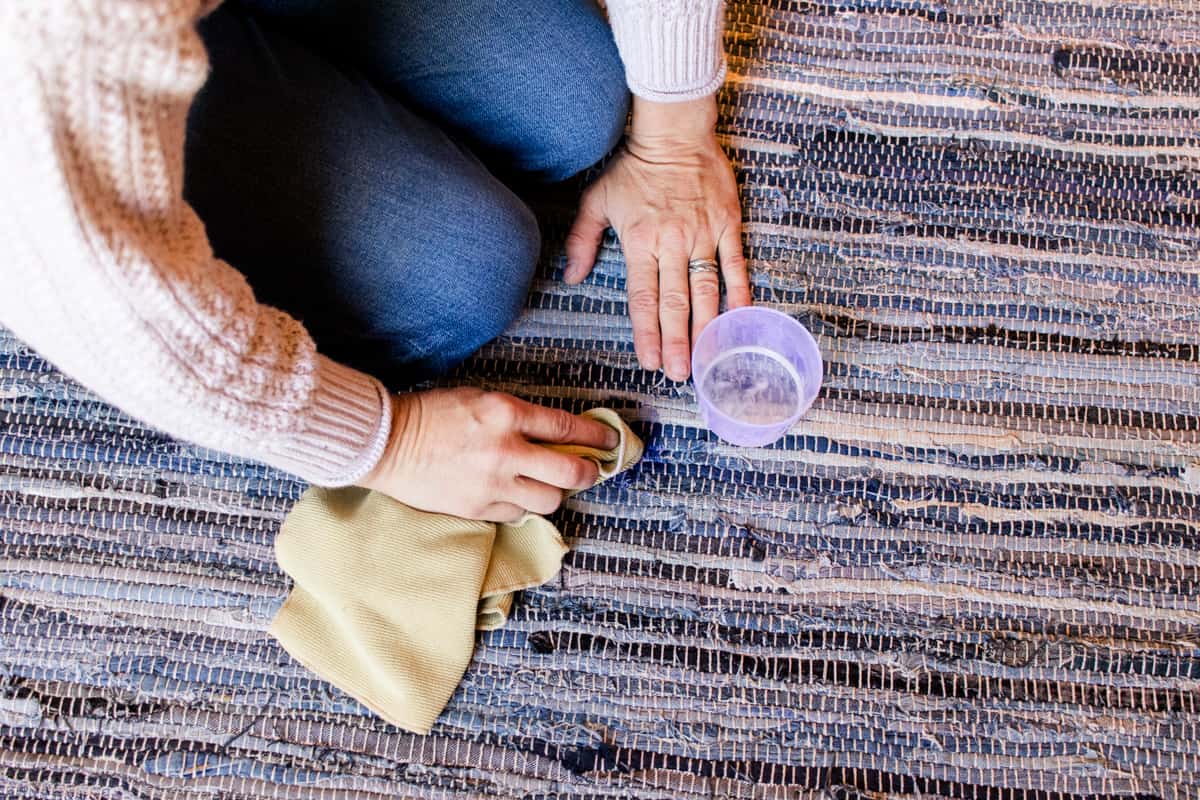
{"x": 473, "y": 454}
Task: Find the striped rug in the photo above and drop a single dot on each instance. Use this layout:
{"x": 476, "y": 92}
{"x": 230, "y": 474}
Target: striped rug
{"x": 973, "y": 571}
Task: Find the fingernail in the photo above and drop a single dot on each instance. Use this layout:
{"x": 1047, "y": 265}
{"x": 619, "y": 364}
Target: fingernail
{"x": 679, "y": 368}
{"x": 611, "y": 440}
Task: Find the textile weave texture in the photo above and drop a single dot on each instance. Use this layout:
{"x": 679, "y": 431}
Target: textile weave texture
{"x": 972, "y": 571}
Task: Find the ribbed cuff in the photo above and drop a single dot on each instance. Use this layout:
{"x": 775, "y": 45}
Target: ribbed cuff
{"x": 346, "y": 428}
{"x": 672, "y": 52}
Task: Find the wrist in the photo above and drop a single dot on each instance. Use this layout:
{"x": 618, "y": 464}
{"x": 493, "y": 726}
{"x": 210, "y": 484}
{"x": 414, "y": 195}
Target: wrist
{"x": 382, "y": 475}
{"x": 689, "y": 120}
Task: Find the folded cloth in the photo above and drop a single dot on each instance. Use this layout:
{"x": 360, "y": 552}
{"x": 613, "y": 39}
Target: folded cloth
{"x": 386, "y": 599}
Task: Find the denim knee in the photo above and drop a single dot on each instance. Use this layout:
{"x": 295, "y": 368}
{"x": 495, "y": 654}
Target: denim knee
{"x": 472, "y": 288}
{"x": 575, "y": 110}
{"x": 587, "y": 121}
{"x": 488, "y": 282}
{"x": 486, "y": 310}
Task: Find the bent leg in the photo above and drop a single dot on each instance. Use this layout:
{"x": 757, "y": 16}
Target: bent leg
{"x": 534, "y": 87}
{"x": 394, "y": 245}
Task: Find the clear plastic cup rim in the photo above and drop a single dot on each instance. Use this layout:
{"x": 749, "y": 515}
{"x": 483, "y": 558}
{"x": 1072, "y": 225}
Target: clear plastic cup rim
{"x": 800, "y": 331}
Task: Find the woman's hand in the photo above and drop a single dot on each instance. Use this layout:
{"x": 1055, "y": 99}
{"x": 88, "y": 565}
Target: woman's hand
{"x": 472, "y": 454}
{"x": 671, "y": 197}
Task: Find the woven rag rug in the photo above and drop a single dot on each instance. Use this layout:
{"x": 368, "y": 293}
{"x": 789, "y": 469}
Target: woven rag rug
{"x": 972, "y": 571}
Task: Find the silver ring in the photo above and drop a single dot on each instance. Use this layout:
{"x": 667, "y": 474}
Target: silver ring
{"x": 702, "y": 265}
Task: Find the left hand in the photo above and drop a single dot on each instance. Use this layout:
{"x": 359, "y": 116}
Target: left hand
{"x": 671, "y": 197}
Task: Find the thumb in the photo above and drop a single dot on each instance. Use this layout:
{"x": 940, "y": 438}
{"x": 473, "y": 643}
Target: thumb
{"x": 585, "y": 236}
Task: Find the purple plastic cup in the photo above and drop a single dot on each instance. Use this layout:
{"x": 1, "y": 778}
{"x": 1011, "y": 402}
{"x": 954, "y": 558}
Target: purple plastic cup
{"x": 756, "y": 371}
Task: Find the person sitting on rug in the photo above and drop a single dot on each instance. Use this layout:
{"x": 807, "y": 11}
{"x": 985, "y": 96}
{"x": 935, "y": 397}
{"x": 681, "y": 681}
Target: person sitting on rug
{"x": 353, "y": 161}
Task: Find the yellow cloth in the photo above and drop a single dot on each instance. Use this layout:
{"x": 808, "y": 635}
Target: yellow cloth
{"x": 386, "y": 598}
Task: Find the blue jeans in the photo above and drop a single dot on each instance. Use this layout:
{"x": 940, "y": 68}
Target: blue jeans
{"x": 354, "y": 160}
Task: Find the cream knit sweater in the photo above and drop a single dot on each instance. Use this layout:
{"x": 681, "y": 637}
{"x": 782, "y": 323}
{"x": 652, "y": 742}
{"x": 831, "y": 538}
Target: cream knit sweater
{"x": 108, "y": 272}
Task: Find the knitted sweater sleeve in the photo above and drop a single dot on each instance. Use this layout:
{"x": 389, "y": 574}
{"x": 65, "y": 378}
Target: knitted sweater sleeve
{"x": 671, "y": 48}
{"x": 108, "y": 272}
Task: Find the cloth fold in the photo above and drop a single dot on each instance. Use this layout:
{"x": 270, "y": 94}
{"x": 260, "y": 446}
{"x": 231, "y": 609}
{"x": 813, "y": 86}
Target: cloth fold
{"x": 386, "y": 598}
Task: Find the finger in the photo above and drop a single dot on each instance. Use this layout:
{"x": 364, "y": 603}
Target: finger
{"x": 641, "y": 283}
{"x": 559, "y": 470}
{"x": 585, "y": 236}
{"x": 674, "y": 307}
{"x": 562, "y": 427}
{"x": 706, "y": 293}
{"x": 502, "y": 512}
{"x": 535, "y": 496}
{"x": 733, "y": 266}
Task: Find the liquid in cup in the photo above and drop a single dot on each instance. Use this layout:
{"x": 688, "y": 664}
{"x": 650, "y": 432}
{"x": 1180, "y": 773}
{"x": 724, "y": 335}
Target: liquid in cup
{"x": 756, "y": 371}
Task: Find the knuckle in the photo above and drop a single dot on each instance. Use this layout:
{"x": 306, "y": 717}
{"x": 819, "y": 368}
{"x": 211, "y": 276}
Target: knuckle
{"x": 677, "y": 345}
{"x": 706, "y": 289}
{"x": 499, "y": 408}
{"x": 734, "y": 258}
{"x": 585, "y": 474}
{"x": 643, "y": 301}
{"x": 498, "y": 463}
{"x": 563, "y": 424}
{"x": 638, "y": 240}
{"x": 675, "y": 302}
{"x": 576, "y": 473}
{"x": 673, "y": 237}
{"x": 491, "y": 399}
